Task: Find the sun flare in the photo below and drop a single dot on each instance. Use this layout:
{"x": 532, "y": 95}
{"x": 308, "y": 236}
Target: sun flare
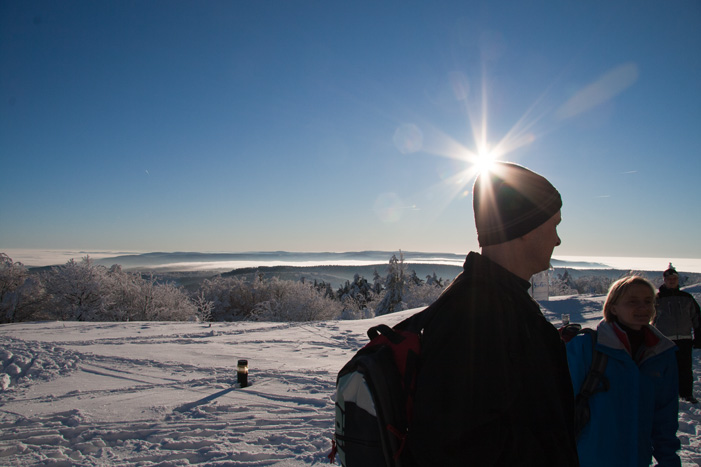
{"x": 484, "y": 162}
{"x": 468, "y": 162}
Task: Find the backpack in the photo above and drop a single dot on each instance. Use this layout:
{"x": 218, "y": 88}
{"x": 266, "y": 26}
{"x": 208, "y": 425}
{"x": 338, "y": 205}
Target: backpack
{"x": 374, "y": 395}
{"x": 594, "y": 382}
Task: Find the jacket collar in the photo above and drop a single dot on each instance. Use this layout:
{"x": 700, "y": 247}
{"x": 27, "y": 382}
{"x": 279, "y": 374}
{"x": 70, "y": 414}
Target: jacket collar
{"x": 666, "y": 291}
{"x": 477, "y": 264}
{"x": 612, "y": 336}
{"x": 650, "y": 339}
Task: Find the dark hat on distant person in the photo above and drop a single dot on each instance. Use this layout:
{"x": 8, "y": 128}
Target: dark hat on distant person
{"x": 509, "y": 201}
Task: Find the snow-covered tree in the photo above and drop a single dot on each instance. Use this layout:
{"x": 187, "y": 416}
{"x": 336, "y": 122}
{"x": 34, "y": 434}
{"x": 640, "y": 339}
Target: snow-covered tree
{"x": 232, "y": 298}
{"x": 295, "y": 301}
{"x": 358, "y": 299}
{"x": 12, "y": 275}
{"x": 124, "y": 290}
{"x": 324, "y": 288}
{"x": 377, "y": 283}
{"x": 394, "y": 287}
{"x": 77, "y": 290}
{"x": 20, "y": 293}
{"x": 423, "y": 294}
{"x": 414, "y": 279}
{"x": 359, "y": 291}
{"x": 354, "y": 309}
{"x": 204, "y": 307}
{"x": 563, "y": 284}
{"x": 85, "y": 291}
{"x": 434, "y": 280}
{"x": 166, "y": 302}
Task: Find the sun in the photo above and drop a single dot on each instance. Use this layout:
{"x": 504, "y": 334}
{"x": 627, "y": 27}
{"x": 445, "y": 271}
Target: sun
{"x": 484, "y": 162}
{"x": 469, "y": 162}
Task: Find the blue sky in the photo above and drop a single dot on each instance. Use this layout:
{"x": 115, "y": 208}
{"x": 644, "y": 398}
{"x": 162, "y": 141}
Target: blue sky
{"x": 341, "y": 126}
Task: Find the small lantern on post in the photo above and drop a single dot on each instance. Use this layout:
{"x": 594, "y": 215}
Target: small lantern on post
{"x": 242, "y": 373}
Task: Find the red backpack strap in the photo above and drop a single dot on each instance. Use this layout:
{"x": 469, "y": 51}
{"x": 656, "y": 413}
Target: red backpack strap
{"x": 334, "y": 450}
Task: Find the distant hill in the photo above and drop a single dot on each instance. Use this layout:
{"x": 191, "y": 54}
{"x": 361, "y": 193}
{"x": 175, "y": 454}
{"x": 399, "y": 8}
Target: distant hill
{"x": 218, "y": 261}
{"x": 557, "y": 263}
{"x": 189, "y": 269}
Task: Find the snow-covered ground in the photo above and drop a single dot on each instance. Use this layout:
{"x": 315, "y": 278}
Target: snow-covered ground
{"x": 152, "y": 393}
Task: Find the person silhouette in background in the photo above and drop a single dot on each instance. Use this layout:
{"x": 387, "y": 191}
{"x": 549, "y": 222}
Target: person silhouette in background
{"x": 493, "y": 387}
{"x": 677, "y": 315}
{"x": 635, "y": 415}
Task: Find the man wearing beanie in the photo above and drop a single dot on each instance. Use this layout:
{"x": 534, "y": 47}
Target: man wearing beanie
{"x": 494, "y": 386}
{"x": 677, "y": 314}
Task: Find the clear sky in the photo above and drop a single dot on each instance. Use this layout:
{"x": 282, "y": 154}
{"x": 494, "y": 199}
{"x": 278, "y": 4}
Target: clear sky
{"x": 344, "y": 125}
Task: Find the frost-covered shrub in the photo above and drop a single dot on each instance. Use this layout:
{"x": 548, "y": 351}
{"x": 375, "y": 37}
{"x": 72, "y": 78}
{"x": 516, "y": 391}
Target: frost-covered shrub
{"x": 122, "y": 290}
{"x": 85, "y": 291}
{"x": 418, "y": 295}
{"x": 357, "y": 313}
{"x": 563, "y": 284}
{"x": 77, "y": 290}
{"x": 355, "y": 308}
{"x": 233, "y": 298}
{"x": 21, "y": 294}
{"x": 295, "y": 301}
{"x": 204, "y": 307}
{"x": 165, "y": 302}
{"x": 404, "y": 290}
{"x": 12, "y": 276}
{"x": 593, "y": 284}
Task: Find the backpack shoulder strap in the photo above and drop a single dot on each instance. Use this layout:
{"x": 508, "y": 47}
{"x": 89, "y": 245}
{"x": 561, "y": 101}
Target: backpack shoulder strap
{"x": 594, "y": 382}
{"x": 590, "y": 386}
{"x": 414, "y": 323}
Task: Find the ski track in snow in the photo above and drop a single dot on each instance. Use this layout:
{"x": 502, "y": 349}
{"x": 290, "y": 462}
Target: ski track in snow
{"x": 177, "y": 413}
{"x": 165, "y": 394}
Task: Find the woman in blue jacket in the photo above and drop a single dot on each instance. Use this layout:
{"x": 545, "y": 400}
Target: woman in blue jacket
{"x": 637, "y": 417}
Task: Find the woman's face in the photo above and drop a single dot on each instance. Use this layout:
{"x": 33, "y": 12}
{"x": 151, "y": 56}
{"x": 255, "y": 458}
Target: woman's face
{"x": 636, "y": 307}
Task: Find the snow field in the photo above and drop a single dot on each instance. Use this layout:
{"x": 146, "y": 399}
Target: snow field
{"x": 165, "y": 394}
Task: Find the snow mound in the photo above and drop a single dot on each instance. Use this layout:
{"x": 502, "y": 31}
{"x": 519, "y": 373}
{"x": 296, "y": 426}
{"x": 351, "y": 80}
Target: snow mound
{"x": 24, "y": 363}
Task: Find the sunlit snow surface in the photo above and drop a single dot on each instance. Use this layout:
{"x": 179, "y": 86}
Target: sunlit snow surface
{"x": 164, "y": 393}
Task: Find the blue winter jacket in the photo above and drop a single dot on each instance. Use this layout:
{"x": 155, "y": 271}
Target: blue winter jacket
{"x": 637, "y": 418}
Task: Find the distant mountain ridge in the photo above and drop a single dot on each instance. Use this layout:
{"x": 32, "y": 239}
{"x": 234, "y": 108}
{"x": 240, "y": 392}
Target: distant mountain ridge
{"x": 191, "y": 268}
{"x": 164, "y": 259}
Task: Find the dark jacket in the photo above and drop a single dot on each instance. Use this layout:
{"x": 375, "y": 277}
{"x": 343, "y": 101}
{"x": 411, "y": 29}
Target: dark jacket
{"x": 677, "y": 314}
{"x": 494, "y": 387}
